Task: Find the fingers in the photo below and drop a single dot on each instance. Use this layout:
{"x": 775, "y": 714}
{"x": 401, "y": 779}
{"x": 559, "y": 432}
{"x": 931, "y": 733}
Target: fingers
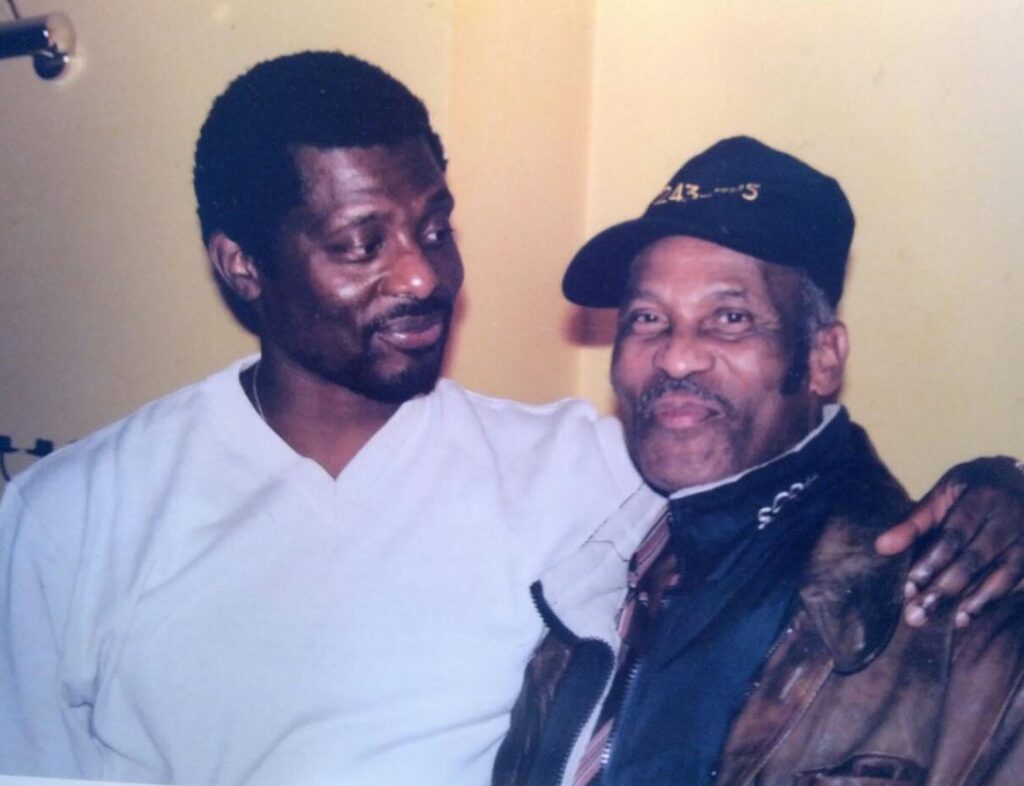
{"x": 978, "y": 507}
{"x": 982, "y": 528}
{"x": 923, "y": 594}
{"x": 929, "y": 565}
{"x": 1000, "y": 582}
{"x": 925, "y": 516}
{"x": 962, "y": 523}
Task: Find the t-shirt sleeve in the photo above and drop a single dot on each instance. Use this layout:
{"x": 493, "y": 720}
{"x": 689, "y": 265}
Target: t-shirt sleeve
{"x": 40, "y": 734}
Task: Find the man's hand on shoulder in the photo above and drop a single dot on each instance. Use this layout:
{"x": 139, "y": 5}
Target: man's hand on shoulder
{"x": 979, "y": 555}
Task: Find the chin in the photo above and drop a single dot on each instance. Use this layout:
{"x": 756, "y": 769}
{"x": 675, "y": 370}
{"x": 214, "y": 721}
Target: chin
{"x": 387, "y": 378}
{"x": 396, "y": 388}
{"x": 673, "y": 466}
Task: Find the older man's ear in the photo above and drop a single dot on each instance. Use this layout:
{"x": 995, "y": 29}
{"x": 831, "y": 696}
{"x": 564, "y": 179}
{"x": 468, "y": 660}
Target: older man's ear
{"x": 828, "y": 360}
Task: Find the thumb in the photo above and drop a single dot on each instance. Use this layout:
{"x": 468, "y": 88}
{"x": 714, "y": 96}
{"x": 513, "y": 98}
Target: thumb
{"x": 898, "y": 538}
{"x": 924, "y": 516}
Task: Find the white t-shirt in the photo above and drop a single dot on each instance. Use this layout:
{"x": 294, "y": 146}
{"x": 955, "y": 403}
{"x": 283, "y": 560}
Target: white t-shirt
{"x": 185, "y": 599}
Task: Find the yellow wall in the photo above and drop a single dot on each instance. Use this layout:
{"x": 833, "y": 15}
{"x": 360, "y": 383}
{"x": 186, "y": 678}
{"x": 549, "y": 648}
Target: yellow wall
{"x": 518, "y": 169}
{"x": 917, "y": 108}
{"x": 559, "y": 118}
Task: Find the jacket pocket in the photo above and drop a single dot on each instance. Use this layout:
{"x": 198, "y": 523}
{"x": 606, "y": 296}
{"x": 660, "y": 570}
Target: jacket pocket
{"x": 866, "y": 770}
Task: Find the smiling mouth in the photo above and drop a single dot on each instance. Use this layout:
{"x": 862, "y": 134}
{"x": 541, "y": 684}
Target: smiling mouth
{"x": 413, "y": 332}
{"x": 680, "y": 411}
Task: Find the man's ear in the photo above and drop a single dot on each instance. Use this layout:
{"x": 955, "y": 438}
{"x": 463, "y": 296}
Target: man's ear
{"x": 235, "y": 268}
{"x": 828, "y": 360}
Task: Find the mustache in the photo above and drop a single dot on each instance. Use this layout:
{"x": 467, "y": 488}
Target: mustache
{"x": 666, "y": 384}
{"x": 432, "y": 305}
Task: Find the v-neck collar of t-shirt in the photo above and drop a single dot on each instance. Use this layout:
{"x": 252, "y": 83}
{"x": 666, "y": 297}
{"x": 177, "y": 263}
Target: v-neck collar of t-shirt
{"x": 253, "y": 441}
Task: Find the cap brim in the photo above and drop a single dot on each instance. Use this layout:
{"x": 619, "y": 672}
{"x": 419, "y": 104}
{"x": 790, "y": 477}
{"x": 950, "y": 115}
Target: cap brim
{"x": 598, "y": 275}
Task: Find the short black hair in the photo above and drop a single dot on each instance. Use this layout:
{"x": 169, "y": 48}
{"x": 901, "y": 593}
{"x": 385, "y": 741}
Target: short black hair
{"x": 245, "y": 178}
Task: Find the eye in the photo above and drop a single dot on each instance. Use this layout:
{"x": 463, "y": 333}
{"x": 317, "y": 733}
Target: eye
{"x": 359, "y": 247}
{"x": 641, "y": 322}
{"x": 732, "y": 321}
{"x": 438, "y": 232}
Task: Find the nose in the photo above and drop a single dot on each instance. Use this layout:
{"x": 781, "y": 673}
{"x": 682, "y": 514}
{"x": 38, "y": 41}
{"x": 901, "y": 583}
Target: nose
{"x": 411, "y": 274}
{"x": 683, "y": 353}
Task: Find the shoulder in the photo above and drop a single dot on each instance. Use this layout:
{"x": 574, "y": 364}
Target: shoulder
{"x": 539, "y": 445}
{"x": 565, "y": 416}
{"x": 123, "y": 448}
{"x": 866, "y": 491}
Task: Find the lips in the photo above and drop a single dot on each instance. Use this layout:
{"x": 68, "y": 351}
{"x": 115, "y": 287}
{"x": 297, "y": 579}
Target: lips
{"x": 412, "y": 332}
{"x": 681, "y": 411}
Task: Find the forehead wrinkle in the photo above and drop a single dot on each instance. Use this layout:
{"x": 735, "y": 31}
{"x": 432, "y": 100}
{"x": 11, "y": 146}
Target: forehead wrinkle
{"x": 734, "y": 293}
{"x": 368, "y": 171}
{"x": 348, "y": 189}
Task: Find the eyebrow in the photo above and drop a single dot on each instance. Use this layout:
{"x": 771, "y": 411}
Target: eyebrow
{"x": 439, "y": 200}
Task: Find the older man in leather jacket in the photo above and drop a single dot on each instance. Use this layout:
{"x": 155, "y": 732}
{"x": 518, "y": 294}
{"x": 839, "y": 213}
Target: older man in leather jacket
{"x": 755, "y": 635}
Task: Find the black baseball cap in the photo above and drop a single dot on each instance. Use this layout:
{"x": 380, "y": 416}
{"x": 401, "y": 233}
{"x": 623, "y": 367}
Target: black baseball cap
{"x": 741, "y": 194}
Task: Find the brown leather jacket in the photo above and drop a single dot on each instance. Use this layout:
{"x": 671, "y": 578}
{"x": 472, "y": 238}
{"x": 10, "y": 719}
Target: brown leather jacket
{"x": 849, "y": 694}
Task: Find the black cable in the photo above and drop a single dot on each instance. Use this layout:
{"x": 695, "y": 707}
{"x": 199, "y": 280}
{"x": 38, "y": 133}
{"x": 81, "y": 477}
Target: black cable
{"x": 6, "y": 446}
{"x": 14, "y": 9}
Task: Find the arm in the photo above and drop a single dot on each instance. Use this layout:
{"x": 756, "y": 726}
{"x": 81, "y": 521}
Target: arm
{"x": 39, "y": 732}
{"x": 979, "y": 554}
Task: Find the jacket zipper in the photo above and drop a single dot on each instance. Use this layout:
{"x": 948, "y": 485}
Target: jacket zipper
{"x": 584, "y": 718}
{"x": 606, "y": 751}
{"x": 559, "y": 628}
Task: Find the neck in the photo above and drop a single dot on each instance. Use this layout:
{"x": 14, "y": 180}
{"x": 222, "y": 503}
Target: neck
{"x": 318, "y": 419}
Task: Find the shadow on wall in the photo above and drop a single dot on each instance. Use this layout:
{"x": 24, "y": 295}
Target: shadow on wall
{"x": 591, "y": 327}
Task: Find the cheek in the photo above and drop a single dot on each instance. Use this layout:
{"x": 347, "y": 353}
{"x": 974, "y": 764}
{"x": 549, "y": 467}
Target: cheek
{"x": 631, "y": 368}
{"x": 452, "y": 271}
{"x": 345, "y": 295}
{"x": 756, "y": 372}
{"x": 342, "y": 297}
{"x": 311, "y": 282}
{"x": 312, "y": 312}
